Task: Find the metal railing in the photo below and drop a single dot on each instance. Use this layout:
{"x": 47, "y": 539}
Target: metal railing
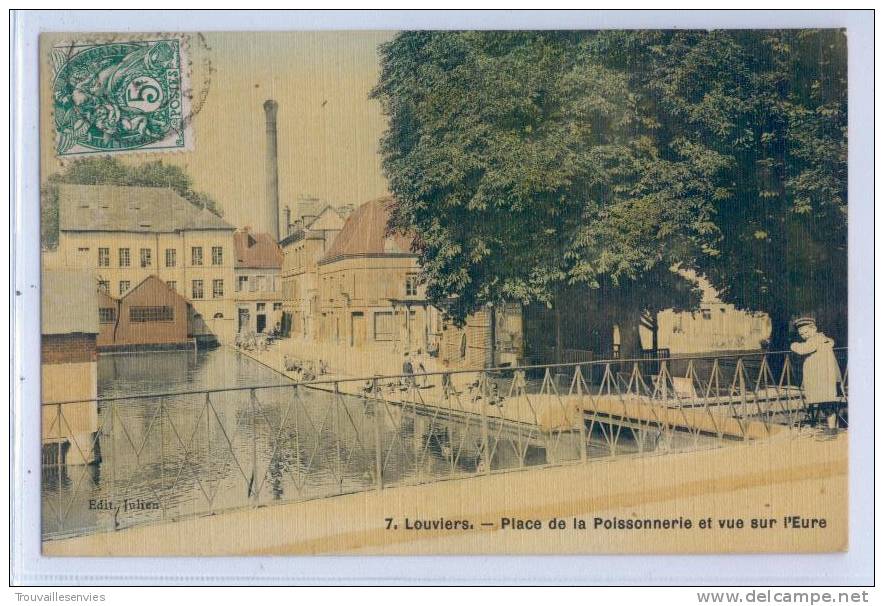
{"x": 170, "y": 455}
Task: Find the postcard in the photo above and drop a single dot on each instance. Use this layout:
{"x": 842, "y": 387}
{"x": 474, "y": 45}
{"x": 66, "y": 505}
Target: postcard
{"x": 444, "y": 292}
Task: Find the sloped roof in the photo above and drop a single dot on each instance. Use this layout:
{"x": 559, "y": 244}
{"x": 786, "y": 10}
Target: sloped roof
{"x": 365, "y": 233}
{"x": 308, "y": 207}
{"x": 328, "y": 219}
{"x": 151, "y": 279}
{"x": 131, "y": 209}
{"x": 256, "y": 251}
{"x": 69, "y": 302}
{"x": 105, "y": 298}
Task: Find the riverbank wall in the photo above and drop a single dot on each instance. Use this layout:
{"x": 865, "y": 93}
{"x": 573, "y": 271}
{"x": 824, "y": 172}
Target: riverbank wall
{"x": 788, "y": 477}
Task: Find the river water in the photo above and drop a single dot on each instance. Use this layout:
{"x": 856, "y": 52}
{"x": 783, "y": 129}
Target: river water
{"x": 164, "y": 458}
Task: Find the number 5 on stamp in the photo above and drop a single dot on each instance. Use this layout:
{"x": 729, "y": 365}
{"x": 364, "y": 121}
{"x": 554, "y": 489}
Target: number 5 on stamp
{"x": 120, "y": 96}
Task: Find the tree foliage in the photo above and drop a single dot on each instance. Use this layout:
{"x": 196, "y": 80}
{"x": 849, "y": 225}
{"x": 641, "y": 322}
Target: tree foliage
{"x": 529, "y": 162}
{"x": 110, "y": 171}
{"x": 766, "y": 111}
{"x": 514, "y": 157}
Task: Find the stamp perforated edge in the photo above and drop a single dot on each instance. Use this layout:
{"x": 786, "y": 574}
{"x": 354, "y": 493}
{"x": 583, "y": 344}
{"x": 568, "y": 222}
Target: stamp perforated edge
{"x": 187, "y": 92}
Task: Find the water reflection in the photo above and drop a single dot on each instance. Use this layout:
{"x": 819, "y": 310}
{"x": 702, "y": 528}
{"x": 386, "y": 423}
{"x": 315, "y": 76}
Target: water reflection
{"x": 168, "y": 457}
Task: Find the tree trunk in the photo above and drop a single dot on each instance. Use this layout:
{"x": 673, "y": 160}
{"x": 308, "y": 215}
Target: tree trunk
{"x": 655, "y": 337}
{"x": 779, "y": 330}
{"x": 630, "y": 340}
{"x": 493, "y": 321}
{"x": 779, "y": 340}
{"x": 649, "y": 321}
{"x": 523, "y": 349}
{"x": 557, "y": 314}
{"x": 628, "y": 321}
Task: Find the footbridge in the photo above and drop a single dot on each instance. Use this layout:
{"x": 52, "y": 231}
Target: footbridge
{"x": 168, "y": 456}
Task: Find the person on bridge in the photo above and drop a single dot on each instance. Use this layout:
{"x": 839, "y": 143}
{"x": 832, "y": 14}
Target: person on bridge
{"x": 820, "y": 372}
{"x": 407, "y": 371}
{"x": 419, "y": 368}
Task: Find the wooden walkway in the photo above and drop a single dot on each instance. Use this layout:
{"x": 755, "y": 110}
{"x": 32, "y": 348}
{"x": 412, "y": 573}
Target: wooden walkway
{"x": 731, "y": 417}
{"x": 735, "y": 417}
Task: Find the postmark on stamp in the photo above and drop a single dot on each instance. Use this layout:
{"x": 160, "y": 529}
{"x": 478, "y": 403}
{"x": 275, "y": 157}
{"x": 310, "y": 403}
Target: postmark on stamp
{"x": 121, "y": 96}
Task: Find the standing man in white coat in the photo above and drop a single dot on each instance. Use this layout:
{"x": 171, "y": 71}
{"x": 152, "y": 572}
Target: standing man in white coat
{"x": 820, "y": 371}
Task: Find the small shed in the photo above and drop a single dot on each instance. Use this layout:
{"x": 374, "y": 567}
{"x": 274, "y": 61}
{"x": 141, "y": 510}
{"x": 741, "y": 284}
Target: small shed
{"x": 69, "y": 367}
{"x": 151, "y": 314}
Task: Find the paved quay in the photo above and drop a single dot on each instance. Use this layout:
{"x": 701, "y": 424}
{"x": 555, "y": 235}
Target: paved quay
{"x": 547, "y": 412}
{"x": 343, "y": 362}
{"x": 778, "y": 478}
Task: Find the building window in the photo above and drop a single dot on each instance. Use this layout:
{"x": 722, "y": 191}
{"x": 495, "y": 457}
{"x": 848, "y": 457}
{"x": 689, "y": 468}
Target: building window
{"x": 124, "y": 286}
{"x": 707, "y": 314}
{"x": 383, "y": 326}
{"x": 83, "y": 249}
{"x": 242, "y": 283}
{"x": 171, "y": 257}
{"x": 411, "y": 286}
{"x": 152, "y": 314}
{"x": 277, "y": 306}
{"x": 196, "y": 255}
{"x": 259, "y": 283}
{"x": 217, "y": 255}
{"x": 146, "y": 257}
{"x": 218, "y": 316}
{"x": 260, "y": 306}
{"x": 172, "y": 284}
{"x": 217, "y": 289}
{"x": 197, "y": 289}
{"x": 104, "y": 286}
{"x": 107, "y": 315}
{"x": 124, "y": 257}
{"x": 104, "y": 257}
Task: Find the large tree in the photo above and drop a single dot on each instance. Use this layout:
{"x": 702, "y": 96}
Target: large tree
{"x": 521, "y": 164}
{"x": 764, "y": 114}
{"x": 110, "y": 171}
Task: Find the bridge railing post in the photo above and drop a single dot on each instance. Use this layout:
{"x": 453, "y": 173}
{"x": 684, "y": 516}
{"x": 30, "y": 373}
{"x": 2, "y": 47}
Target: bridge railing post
{"x": 336, "y": 428}
{"x": 162, "y": 453}
{"x": 578, "y": 384}
{"x": 482, "y": 402}
{"x": 113, "y": 450}
{"x": 378, "y": 427}
{"x": 252, "y": 413}
{"x": 206, "y": 411}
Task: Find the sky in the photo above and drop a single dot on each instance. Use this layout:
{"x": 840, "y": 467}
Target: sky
{"x": 328, "y": 129}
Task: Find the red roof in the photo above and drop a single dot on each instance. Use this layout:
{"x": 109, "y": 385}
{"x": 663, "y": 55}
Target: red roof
{"x": 256, "y": 251}
{"x": 365, "y": 233}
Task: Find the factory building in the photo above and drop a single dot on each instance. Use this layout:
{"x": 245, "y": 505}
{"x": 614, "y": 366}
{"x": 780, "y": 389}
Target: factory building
{"x": 125, "y": 234}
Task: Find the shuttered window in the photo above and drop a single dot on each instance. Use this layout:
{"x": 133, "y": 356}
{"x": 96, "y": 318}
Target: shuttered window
{"x": 383, "y": 326}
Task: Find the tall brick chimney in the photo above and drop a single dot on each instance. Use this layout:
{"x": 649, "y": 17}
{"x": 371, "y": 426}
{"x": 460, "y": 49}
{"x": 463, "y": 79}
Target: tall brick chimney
{"x": 272, "y": 192}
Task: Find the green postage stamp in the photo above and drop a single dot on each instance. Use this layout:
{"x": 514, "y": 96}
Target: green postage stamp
{"x": 120, "y": 96}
